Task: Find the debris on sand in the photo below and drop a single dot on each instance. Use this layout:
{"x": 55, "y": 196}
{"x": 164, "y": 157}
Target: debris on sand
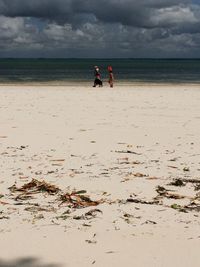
{"x": 126, "y": 161}
{"x": 74, "y": 200}
{"x": 139, "y": 201}
{"x": 177, "y": 182}
{"x": 197, "y": 187}
{"x": 173, "y": 159}
{"x": 192, "y": 207}
{"x": 152, "y": 178}
{"x": 3, "y": 202}
{"x": 4, "y": 217}
{"x": 138, "y": 174}
{"x": 172, "y": 167}
{"x": 57, "y": 162}
{"x": 23, "y": 196}
{"x": 183, "y": 182}
{"x": 92, "y": 213}
{"x": 192, "y": 181}
{"x": 127, "y": 152}
{"x": 91, "y": 241}
{"x": 176, "y": 206}
{"x": 149, "y": 222}
{"x": 37, "y": 208}
{"x": 186, "y": 169}
{"x": 135, "y": 175}
{"x": 179, "y": 208}
{"x": 35, "y": 186}
{"x": 77, "y": 200}
{"x": 163, "y": 192}
{"x": 88, "y": 215}
{"x": 136, "y": 162}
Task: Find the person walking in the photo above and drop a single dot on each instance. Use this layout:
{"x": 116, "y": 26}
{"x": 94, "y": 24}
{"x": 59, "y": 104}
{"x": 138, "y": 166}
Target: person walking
{"x": 97, "y": 76}
{"x": 111, "y": 76}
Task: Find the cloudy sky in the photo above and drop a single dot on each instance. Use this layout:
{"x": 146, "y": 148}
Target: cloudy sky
{"x": 103, "y": 28}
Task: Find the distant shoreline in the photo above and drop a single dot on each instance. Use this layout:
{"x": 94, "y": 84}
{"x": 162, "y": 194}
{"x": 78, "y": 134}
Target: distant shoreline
{"x": 90, "y": 84}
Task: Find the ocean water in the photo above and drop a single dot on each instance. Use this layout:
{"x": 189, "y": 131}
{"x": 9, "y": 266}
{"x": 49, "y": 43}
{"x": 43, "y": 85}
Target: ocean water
{"x": 81, "y": 70}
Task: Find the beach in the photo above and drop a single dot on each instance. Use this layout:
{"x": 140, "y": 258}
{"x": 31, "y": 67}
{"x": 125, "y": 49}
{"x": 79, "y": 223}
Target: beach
{"x": 116, "y": 175}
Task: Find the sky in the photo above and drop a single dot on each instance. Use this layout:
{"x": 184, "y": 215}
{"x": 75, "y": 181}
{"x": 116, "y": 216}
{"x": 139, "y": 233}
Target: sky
{"x": 103, "y": 28}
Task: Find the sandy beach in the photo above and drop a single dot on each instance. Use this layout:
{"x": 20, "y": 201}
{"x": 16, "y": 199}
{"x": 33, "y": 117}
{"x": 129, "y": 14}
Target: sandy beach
{"x": 116, "y": 176}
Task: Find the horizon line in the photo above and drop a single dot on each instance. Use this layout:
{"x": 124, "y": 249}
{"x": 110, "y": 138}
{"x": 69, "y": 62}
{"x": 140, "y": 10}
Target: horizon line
{"x": 103, "y": 58}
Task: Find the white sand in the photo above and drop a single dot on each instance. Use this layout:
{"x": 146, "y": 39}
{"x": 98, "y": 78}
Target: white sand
{"x": 87, "y": 127}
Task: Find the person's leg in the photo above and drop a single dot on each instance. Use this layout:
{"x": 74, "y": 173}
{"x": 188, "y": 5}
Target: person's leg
{"x": 98, "y": 82}
{"x": 95, "y": 83}
{"x": 110, "y": 82}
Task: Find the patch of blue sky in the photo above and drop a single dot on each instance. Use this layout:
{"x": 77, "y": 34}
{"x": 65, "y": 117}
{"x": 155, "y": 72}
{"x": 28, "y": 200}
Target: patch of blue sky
{"x": 39, "y": 23}
{"x": 196, "y": 2}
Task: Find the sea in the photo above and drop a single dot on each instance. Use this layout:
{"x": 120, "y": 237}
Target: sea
{"x": 82, "y": 70}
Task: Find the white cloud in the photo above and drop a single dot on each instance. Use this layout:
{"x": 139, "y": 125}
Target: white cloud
{"x": 11, "y": 27}
{"x": 174, "y": 15}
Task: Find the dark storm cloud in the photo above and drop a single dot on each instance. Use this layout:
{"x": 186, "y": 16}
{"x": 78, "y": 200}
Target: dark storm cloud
{"x": 128, "y": 12}
{"x": 100, "y": 28}
{"x": 47, "y": 9}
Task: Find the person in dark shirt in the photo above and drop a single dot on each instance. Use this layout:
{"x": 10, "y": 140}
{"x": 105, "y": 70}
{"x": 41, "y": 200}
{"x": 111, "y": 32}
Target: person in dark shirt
{"x": 97, "y": 76}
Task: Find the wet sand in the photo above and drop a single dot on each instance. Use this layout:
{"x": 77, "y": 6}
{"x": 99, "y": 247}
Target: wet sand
{"x": 134, "y": 150}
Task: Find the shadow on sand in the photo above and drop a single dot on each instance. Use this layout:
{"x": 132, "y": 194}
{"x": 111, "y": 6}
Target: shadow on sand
{"x": 27, "y": 262}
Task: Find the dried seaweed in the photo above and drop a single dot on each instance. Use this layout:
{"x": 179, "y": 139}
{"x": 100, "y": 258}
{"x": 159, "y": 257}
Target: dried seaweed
{"x": 36, "y": 186}
{"x": 3, "y": 203}
{"x": 193, "y": 207}
{"x": 177, "y": 182}
{"x": 139, "y": 201}
{"x": 197, "y": 187}
{"x": 192, "y": 181}
{"x": 92, "y": 214}
{"x": 127, "y": 152}
{"x": 135, "y": 175}
{"x": 39, "y": 208}
{"x": 88, "y": 215}
{"x": 138, "y": 174}
{"x": 78, "y": 200}
{"x": 163, "y": 192}
{"x": 4, "y": 217}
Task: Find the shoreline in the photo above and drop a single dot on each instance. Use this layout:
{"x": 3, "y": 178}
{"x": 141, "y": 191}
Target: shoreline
{"x": 90, "y": 84}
